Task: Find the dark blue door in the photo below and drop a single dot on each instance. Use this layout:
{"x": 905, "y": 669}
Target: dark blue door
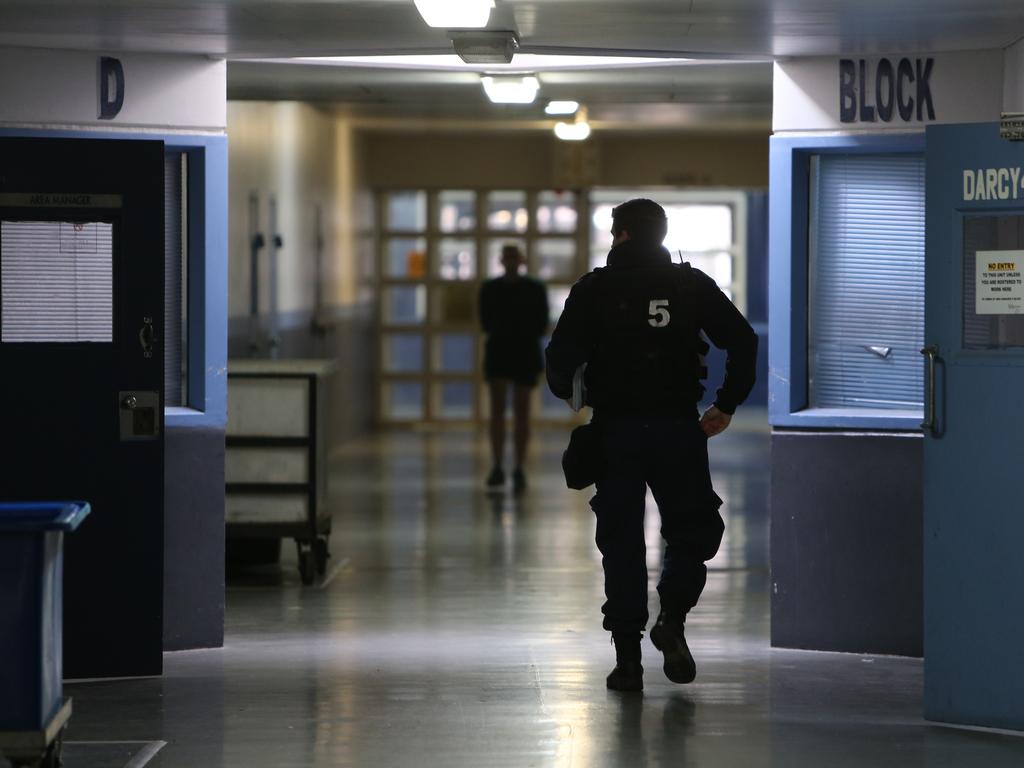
{"x": 974, "y": 441}
{"x": 81, "y": 315}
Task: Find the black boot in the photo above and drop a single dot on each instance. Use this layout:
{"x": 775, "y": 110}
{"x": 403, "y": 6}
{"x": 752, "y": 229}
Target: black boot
{"x": 668, "y": 637}
{"x": 496, "y": 478}
{"x": 628, "y": 674}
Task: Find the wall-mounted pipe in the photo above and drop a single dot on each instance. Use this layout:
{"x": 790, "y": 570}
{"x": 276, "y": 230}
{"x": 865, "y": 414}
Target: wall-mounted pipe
{"x": 320, "y": 324}
{"x": 276, "y": 242}
{"x": 256, "y": 243}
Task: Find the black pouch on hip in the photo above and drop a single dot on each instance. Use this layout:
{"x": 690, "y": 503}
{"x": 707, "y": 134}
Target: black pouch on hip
{"x": 583, "y": 460}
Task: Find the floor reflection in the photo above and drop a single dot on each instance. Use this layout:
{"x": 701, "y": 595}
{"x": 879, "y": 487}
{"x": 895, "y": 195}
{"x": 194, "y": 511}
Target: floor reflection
{"x": 462, "y": 628}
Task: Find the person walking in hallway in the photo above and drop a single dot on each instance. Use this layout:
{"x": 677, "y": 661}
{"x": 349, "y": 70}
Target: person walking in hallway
{"x": 514, "y": 316}
{"x": 637, "y": 325}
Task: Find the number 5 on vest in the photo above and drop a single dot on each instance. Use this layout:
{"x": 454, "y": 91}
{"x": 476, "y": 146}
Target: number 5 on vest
{"x": 658, "y": 313}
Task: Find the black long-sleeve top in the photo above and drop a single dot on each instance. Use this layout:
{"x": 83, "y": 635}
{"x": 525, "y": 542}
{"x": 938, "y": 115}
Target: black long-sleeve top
{"x": 577, "y": 334}
{"x": 515, "y": 308}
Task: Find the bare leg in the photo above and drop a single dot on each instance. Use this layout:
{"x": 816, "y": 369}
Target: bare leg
{"x": 498, "y": 389}
{"x": 521, "y": 407}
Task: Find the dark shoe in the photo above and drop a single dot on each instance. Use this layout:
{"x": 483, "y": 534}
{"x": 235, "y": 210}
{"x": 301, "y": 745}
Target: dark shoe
{"x": 496, "y": 478}
{"x": 628, "y": 674}
{"x": 519, "y": 481}
{"x": 668, "y": 637}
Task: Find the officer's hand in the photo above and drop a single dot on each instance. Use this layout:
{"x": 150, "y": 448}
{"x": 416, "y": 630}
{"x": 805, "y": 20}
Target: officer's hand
{"x": 714, "y": 422}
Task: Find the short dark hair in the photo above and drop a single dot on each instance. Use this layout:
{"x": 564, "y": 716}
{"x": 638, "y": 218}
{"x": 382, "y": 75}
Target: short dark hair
{"x": 644, "y": 220}
{"x": 511, "y": 249}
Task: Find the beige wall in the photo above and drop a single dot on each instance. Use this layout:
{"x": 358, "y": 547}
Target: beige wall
{"x": 686, "y": 160}
{"x": 303, "y": 157}
{"x": 538, "y": 160}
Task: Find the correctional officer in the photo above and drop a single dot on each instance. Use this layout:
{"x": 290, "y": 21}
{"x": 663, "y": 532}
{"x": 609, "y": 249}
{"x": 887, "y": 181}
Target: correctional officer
{"x": 636, "y": 323}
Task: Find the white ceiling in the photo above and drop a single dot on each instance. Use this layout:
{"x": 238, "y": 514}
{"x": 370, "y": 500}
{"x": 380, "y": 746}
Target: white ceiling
{"x": 719, "y": 95}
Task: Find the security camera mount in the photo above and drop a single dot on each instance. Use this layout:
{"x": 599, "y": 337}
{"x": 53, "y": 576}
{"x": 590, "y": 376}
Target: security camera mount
{"x": 485, "y": 46}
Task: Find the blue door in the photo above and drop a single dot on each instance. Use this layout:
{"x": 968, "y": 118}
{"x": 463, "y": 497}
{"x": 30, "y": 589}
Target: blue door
{"x": 974, "y": 428}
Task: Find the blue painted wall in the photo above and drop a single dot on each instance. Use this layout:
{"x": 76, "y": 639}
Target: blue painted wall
{"x": 846, "y": 488}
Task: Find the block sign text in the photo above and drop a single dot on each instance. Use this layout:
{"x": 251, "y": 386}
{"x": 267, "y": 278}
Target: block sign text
{"x": 892, "y": 90}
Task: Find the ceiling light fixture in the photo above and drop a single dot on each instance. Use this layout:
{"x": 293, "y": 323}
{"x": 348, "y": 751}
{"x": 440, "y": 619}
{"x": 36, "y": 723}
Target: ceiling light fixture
{"x": 575, "y": 131}
{"x": 572, "y": 131}
{"x": 561, "y": 107}
{"x": 511, "y": 90}
{"x": 524, "y": 62}
{"x": 455, "y": 14}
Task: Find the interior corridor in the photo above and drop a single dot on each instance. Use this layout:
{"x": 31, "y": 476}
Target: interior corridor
{"x": 460, "y": 628}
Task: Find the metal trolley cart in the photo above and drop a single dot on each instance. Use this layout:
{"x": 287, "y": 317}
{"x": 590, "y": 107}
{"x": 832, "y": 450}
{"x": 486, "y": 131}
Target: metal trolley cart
{"x": 275, "y": 468}
{"x": 33, "y": 710}
{"x": 43, "y": 747}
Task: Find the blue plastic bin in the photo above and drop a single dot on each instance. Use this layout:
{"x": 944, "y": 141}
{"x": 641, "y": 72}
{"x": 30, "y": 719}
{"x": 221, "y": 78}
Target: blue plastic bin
{"x": 31, "y": 604}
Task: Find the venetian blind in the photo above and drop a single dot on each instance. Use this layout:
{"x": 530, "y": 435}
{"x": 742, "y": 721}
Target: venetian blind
{"x": 175, "y": 337}
{"x": 866, "y": 299}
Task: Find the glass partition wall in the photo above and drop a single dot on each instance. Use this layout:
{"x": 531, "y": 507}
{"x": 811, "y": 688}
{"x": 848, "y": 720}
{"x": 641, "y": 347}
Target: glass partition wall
{"x": 437, "y": 246}
{"x": 706, "y": 227}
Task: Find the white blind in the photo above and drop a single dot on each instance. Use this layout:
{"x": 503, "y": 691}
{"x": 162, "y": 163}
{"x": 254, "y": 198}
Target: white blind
{"x": 867, "y": 282}
{"x": 56, "y": 281}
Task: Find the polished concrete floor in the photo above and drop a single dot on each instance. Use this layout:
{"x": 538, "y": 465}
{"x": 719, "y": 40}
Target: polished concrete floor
{"x": 457, "y": 628}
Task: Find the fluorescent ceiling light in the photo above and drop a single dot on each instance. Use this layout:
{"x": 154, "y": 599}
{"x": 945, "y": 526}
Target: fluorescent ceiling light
{"x": 561, "y": 107}
{"x": 511, "y": 90}
{"x": 572, "y": 131}
{"x": 455, "y": 14}
{"x": 524, "y": 62}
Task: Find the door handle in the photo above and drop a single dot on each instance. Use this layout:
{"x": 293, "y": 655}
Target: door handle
{"x": 147, "y": 335}
{"x": 931, "y": 353}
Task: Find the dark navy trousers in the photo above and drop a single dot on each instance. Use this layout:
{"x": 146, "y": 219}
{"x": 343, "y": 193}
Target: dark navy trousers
{"x": 671, "y": 456}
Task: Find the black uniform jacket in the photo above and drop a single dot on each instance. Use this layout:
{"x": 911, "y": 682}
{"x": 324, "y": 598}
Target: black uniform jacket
{"x": 577, "y": 334}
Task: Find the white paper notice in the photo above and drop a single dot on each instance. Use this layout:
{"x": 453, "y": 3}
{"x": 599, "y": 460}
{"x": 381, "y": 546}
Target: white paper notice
{"x": 1000, "y": 283}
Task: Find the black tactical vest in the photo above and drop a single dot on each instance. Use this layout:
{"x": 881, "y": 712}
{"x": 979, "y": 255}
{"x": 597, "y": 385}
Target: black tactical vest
{"x": 649, "y": 354}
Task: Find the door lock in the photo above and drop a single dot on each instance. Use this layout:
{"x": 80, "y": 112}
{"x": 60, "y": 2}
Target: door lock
{"x": 139, "y": 415}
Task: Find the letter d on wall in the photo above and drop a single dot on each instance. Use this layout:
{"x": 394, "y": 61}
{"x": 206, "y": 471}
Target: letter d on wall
{"x": 111, "y": 87}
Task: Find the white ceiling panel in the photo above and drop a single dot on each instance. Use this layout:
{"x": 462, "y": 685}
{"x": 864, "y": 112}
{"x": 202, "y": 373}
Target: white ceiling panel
{"x": 266, "y": 28}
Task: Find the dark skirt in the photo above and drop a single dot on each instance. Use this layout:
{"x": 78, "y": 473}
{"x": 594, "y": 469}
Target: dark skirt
{"x": 518, "y": 360}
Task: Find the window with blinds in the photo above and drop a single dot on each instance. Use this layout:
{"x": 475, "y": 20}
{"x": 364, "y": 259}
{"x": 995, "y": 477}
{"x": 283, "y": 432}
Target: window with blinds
{"x": 866, "y": 303}
{"x": 175, "y": 278}
{"x": 56, "y": 281}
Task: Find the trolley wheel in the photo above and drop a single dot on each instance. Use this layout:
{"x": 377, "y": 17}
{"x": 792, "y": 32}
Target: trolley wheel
{"x": 54, "y": 757}
{"x": 307, "y": 564}
{"x": 320, "y": 554}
